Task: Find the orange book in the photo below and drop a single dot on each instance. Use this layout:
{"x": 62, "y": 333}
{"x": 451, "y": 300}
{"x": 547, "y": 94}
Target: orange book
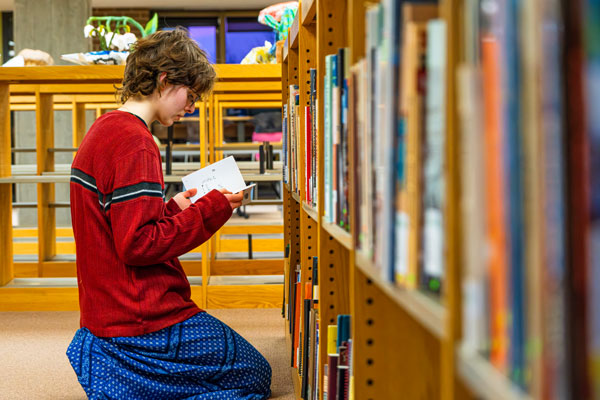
{"x": 496, "y": 221}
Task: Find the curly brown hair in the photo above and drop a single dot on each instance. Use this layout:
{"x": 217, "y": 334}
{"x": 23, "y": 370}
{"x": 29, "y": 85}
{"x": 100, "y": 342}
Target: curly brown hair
{"x": 173, "y": 52}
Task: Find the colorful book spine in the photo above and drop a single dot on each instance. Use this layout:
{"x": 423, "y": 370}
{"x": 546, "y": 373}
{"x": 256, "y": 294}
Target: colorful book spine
{"x": 498, "y": 262}
{"x": 332, "y": 361}
{"x": 434, "y": 163}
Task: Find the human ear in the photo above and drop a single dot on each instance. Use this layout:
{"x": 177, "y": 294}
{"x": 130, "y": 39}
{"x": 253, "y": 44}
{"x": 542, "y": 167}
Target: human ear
{"x": 162, "y": 82}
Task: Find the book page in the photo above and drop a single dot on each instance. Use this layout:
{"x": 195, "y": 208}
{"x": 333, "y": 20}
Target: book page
{"x": 222, "y": 174}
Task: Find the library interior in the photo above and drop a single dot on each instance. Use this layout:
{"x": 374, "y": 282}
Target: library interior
{"x": 358, "y": 199}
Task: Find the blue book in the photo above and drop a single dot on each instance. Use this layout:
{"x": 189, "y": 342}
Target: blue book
{"x": 514, "y": 190}
{"x": 343, "y": 329}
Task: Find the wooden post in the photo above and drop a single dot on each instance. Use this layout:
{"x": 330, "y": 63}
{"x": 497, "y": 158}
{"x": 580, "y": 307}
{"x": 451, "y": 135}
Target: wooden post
{"x": 205, "y": 272}
{"x": 44, "y": 115}
{"x": 6, "y": 253}
{"x": 451, "y": 11}
{"x": 78, "y": 118}
{"x": 211, "y": 128}
{"x": 202, "y": 133}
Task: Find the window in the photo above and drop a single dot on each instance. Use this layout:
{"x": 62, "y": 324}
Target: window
{"x": 242, "y": 35}
{"x": 202, "y": 30}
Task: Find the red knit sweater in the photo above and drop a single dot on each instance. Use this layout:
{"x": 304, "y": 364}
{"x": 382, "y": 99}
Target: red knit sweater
{"x": 127, "y": 238}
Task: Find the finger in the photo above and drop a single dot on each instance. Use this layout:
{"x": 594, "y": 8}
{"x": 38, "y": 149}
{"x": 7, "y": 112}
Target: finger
{"x": 224, "y": 191}
{"x": 190, "y": 192}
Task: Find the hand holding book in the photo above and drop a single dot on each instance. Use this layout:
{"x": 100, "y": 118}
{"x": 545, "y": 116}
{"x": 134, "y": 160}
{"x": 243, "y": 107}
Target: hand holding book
{"x": 223, "y": 175}
{"x": 183, "y": 198}
{"x": 235, "y": 199}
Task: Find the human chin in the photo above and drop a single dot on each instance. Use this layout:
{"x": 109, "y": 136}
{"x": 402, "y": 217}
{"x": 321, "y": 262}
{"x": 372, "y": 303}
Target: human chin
{"x": 166, "y": 121}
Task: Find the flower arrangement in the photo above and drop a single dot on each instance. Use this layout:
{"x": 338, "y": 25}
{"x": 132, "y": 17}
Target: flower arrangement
{"x": 120, "y": 37}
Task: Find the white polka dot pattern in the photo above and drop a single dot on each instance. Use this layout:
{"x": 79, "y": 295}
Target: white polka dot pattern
{"x": 200, "y": 358}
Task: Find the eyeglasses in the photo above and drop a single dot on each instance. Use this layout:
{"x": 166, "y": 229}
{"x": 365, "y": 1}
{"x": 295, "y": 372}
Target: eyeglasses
{"x": 193, "y": 97}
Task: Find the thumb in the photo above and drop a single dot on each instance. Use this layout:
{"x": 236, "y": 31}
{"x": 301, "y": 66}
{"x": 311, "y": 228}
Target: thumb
{"x": 190, "y": 192}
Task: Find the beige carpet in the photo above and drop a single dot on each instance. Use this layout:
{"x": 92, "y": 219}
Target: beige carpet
{"x": 33, "y": 364}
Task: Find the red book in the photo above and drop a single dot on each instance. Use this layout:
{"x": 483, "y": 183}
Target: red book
{"x": 308, "y": 153}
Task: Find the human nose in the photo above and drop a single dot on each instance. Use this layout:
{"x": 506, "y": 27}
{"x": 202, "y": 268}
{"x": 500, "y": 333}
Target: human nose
{"x": 190, "y": 107}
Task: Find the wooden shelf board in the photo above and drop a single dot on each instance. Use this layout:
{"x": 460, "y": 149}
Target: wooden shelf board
{"x": 295, "y": 196}
{"x": 293, "y": 35}
{"x": 338, "y": 233}
{"x": 423, "y": 309}
{"x": 286, "y": 49}
{"x": 485, "y": 380}
{"x": 236, "y": 119}
{"x": 309, "y": 10}
{"x": 310, "y": 211}
{"x": 246, "y": 146}
{"x": 114, "y": 73}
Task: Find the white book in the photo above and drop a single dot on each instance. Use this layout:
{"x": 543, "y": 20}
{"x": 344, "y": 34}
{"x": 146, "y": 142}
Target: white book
{"x": 223, "y": 174}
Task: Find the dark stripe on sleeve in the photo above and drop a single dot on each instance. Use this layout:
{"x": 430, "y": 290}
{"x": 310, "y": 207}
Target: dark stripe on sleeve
{"x": 150, "y": 189}
{"x": 85, "y": 180}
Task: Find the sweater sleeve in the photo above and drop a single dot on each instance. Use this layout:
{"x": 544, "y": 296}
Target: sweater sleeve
{"x": 144, "y": 233}
{"x": 171, "y": 208}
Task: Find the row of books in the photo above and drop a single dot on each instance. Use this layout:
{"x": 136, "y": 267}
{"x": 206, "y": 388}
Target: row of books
{"x": 397, "y": 105}
{"x": 301, "y": 310}
{"x": 291, "y": 139}
{"x": 529, "y": 209}
{"x": 335, "y": 138}
{"x": 529, "y": 168}
{"x": 291, "y": 142}
{"x": 310, "y": 143}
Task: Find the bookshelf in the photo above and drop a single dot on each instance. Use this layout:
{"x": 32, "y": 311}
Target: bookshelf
{"x": 47, "y": 90}
{"x": 457, "y": 307}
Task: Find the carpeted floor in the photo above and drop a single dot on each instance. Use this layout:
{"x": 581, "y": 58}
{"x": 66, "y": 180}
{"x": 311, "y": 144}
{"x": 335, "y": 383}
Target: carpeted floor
{"x": 33, "y": 364}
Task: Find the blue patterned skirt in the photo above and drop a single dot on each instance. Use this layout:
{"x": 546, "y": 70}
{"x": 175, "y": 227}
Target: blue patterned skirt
{"x": 200, "y": 358}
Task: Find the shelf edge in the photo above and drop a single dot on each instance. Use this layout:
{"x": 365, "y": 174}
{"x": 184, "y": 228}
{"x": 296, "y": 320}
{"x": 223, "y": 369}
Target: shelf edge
{"x": 295, "y": 196}
{"x": 424, "y": 310}
{"x": 309, "y": 10}
{"x": 293, "y": 35}
{"x": 481, "y": 377}
{"x": 310, "y": 211}
{"x": 338, "y": 233}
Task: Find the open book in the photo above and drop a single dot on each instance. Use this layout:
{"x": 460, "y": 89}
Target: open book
{"x": 222, "y": 174}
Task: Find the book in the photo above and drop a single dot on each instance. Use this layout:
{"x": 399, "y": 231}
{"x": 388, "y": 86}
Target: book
{"x": 583, "y": 232}
{"x": 496, "y": 225}
{"x": 223, "y": 174}
{"x": 473, "y": 211}
{"x": 307, "y": 311}
{"x": 434, "y": 162}
{"x": 332, "y": 361}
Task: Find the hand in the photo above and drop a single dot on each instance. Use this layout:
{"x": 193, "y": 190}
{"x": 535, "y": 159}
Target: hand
{"x": 183, "y": 199}
{"x": 235, "y": 200}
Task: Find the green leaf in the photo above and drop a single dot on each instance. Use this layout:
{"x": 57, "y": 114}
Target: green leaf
{"x": 151, "y": 26}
